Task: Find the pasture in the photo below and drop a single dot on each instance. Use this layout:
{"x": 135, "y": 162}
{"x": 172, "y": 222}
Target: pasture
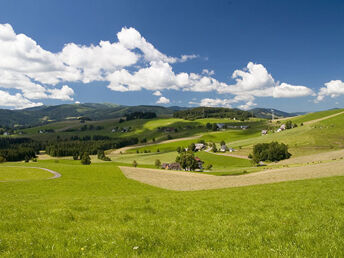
{"x": 96, "y": 211}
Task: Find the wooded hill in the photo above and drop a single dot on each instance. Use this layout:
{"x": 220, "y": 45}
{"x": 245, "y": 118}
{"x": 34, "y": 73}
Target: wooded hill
{"x": 212, "y": 112}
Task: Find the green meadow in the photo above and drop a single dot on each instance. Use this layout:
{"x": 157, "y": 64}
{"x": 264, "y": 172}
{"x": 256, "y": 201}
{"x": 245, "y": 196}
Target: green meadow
{"x": 22, "y": 173}
{"x": 94, "y": 211}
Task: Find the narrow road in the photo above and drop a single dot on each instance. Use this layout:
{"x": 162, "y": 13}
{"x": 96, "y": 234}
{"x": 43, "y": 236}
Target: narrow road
{"x": 323, "y": 118}
{"x": 124, "y": 149}
{"x": 56, "y": 174}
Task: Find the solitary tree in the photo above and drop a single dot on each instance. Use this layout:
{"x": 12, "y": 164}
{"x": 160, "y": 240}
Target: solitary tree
{"x": 223, "y": 142}
{"x": 157, "y": 163}
{"x": 187, "y": 161}
{"x": 214, "y": 148}
{"x": 85, "y": 159}
{"x": 135, "y": 163}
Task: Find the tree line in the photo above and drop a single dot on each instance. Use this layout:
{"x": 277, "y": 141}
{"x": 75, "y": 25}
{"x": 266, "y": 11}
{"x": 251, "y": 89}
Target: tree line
{"x": 212, "y": 112}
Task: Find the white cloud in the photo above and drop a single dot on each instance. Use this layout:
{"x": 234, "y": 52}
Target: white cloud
{"x": 129, "y": 64}
{"x": 291, "y": 91}
{"x": 332, "y": 88}
{"x": 163, "y": 100}
{"x": 157, "y": 93}
{"x": 208, "y": 72}
{"x": 16, "y": 101}
{"x": 64, "y": 93}
{"x": 217, "y": 102}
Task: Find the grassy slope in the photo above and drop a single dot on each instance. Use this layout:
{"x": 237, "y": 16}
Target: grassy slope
{"x": 314, "y": 138}
{"x": 314, "y": 116}
{"x": 95, "y": 211}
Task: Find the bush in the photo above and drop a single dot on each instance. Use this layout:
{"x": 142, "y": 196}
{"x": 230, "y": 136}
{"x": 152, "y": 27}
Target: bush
{"x": 157, "y": 163}
{"x": 209, "y": 167}
{"x": 86, "y": 160}
{"x": 214, "y": 148}
{"x": 273, "y": 151}
{"x": 2, "y": 159}
{"x": 135, "y": 163}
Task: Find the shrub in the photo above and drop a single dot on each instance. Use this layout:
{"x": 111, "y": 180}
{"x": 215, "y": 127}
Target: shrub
{"x": 2, "y": 159}
{"x": 273, "y": 151}
{"x": 135, "y": 163}
{"x": 157, "y": 163}
{"x": 85, "y": 160}
{"x": 214, "y": 148}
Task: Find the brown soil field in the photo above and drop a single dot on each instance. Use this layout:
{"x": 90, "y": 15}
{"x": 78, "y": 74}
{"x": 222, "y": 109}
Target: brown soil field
{"x": 186, "y": 181}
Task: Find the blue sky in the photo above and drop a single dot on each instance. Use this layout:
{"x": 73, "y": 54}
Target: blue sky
{"x": 288, "y": 54}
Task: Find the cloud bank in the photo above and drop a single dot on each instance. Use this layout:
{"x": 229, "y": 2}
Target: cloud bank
{"x": 129, "y": 64}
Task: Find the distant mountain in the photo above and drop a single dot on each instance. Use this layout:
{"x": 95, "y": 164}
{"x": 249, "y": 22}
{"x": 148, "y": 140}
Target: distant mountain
{"x": 46, "y": 114}
{"x": 267, "y": 113}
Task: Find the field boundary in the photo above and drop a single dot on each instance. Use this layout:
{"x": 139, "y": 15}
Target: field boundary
{"x": 186, "y": 181}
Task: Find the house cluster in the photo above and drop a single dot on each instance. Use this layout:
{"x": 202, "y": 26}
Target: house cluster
{"x": 121, "y": 130}
{"x": 169, "y": 129}
{"x": 225, "y": 148}
{"x": 221, "y": 126}
{"x": 282, "y": 128}
{"x": 199, "y": 146}
{"x": 177, "y": 166}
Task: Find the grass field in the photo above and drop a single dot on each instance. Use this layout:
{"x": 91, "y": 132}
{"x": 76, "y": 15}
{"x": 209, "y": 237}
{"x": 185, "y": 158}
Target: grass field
{"x": 19, "y": 174}
{"x": 314, "y": 116}
{"x": 95, "y": 211}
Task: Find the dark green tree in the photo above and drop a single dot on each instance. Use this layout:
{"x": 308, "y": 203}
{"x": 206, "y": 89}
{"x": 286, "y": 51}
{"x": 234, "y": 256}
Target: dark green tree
{"x": 85, "y": 159}
{"x": 157, "y": 163}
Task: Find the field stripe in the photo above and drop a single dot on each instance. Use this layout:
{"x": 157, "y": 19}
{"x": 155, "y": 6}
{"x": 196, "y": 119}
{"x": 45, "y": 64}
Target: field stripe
{"x": 186, "y": 181}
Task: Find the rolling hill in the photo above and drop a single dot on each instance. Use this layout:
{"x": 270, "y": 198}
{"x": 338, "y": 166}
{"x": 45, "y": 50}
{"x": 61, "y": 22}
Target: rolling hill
{"x": 46, "y": 114}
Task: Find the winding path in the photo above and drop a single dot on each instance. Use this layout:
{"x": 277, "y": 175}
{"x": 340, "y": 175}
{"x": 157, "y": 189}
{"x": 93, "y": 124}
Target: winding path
{"x": 56, "y": 174}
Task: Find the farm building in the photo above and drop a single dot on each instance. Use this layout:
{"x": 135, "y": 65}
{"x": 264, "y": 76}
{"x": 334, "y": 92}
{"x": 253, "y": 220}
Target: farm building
{"x": 264, "y": 132}
{"x": 223, "y": 148}
{"x": 199, "y": 146}
{"x": 171, "y": 166}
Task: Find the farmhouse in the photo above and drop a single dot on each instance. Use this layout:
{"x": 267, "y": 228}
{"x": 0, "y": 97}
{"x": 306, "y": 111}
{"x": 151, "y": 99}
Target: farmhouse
{"x": 231, "y": 150}
{"x": 199, "y": 146}
{"x": 171, "y": 166}
{"x": 264, "y": 132}
{"x": 169, "y": 129}
{"x": 223, "y": 148}
{"x": 200, "y": 163}
{"x": 220, "y": 126}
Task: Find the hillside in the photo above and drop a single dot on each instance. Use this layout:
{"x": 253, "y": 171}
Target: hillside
{"x": 267, "y": 113}
{"x": 45, "y": 114}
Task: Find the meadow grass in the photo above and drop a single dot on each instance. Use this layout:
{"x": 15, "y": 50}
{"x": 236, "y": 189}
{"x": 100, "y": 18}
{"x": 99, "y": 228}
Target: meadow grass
{"x": 313, "y": 116}
{"x": 94, "y": 211}
{"x": 18, "y": 173}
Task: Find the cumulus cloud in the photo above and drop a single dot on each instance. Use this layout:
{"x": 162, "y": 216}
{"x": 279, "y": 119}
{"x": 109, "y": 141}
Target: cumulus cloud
{"x": 64, "y": 93}
{"x": 16, "y": 101}
{"x": 129, "y": 64}
{"x": 208, "y": 72}
{"x": 163, "y": 100}
{"x": 217, "y": 102}
{"x": 157, "y": 93}
{"x": 332, "y": 88}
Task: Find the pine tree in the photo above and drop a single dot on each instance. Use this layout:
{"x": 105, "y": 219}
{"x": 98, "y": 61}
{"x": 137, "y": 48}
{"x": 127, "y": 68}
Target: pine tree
{"x": 85, "y": 160}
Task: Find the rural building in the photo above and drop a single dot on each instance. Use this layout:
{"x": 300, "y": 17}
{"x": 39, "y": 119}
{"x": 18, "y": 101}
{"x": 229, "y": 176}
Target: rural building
{"x": 231, "y": 150}
{"x": 200, "y": 163}
{"x": 199, "y": 146}
{"x": 169, "y": 129}
{"x": 264, "y": 132}
{"x": 220, "y": 126}
{"x": 171, "y": 166}
{"x": 223, "y": 148}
